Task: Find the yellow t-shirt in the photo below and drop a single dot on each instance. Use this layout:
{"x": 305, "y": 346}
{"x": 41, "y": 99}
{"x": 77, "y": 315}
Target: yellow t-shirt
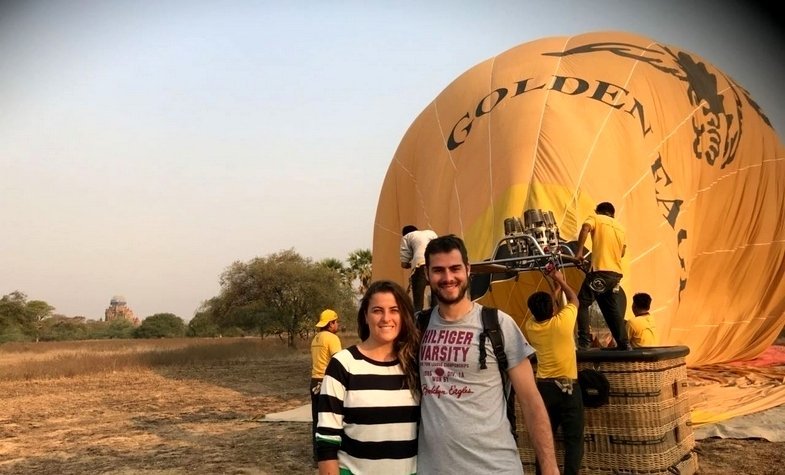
{"x": 640, "y": 331}
{"x": 607, "y": 243}
{"x": 324, "y": 345}
{"x": 554, "y": 341}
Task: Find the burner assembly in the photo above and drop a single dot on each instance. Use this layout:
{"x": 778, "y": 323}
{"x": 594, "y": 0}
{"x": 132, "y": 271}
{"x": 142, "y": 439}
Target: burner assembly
{"x": 534, "y": 244}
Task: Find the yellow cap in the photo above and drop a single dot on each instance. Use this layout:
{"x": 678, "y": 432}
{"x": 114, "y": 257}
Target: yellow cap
{"x": 326, "y": 317}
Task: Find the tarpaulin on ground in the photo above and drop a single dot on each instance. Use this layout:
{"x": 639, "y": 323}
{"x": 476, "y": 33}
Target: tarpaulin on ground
{"x": 724, "y": 391}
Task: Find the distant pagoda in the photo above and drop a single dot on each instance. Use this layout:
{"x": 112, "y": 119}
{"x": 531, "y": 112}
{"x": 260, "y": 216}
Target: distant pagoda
{"x": 119, "y": 310}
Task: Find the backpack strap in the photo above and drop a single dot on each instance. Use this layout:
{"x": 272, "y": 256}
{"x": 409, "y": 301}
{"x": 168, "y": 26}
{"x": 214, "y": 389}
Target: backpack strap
{"x": 493, "y": 331}
{"x": 483, "y": 355}
{"x": 422, "y": 318}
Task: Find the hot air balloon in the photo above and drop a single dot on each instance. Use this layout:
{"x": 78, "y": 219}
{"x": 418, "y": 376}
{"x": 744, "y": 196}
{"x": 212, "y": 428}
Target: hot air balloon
{"x": 688, "y": 158}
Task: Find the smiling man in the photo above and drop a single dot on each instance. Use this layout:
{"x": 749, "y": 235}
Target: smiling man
{"x": 464, "y": 426}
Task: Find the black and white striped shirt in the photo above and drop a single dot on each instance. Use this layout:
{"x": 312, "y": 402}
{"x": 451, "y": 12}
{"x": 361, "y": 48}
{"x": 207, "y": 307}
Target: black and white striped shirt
{"x": 367, "y": 416}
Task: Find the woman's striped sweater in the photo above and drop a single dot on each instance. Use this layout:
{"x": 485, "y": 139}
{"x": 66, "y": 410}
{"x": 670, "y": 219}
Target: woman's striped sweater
{"x": 367, "y": 416}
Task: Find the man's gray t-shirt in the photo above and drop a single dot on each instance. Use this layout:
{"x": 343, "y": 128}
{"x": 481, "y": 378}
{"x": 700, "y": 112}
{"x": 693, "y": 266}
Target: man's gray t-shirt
{"x": 464, "y": 425}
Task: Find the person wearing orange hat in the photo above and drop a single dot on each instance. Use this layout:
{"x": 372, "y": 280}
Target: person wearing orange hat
{"x": 324, "y": 345}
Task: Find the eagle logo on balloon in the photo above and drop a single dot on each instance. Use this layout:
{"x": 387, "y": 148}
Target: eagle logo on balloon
{"x": 719, "y": 113}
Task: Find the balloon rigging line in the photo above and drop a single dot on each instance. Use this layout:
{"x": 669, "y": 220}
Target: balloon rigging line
{"x": 664, "y": 140}
{"x": 659, "y": 309}
{"x": 716, "y": 325}
{"x": 490, "y": 154}
{"x": 454, "y": 169}
{"x": 590, "y": 154}
{"x": 691, "y": 200}
{"x": 632, "y": 188}
{"x": 386, "y": 229}
{"x": 657, "y": 148}
{"x": 419, "y": 191}
{"x": 737, "y": 248}
{"x": 670, "y": 134}
{"x": 645, "y": 253}
{"x": 756, "y": 309}
{"x": 527, "y": 201}
{"x": 674, "y": 296}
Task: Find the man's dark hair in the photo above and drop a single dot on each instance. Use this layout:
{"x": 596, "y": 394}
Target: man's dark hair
{"x": 605, "y": 208}
{"x": 642, "y": 300}
{"x": 407, "y": 229}
{"x": 444, "y": 244}
{"x": 540, "y": 305}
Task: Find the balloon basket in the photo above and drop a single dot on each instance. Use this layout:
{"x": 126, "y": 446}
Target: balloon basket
{"x": 645, "y": 427}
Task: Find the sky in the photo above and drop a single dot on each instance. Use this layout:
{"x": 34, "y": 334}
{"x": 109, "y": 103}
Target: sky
{"x": 146, "y": 145}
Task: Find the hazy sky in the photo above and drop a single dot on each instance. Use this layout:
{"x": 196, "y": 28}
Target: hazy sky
{"x": 146, "y": 145}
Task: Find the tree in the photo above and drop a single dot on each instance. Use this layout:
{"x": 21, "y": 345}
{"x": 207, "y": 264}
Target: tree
{"x": 36, "y": 311}
{"x": 62, "y": 328}
{"x": 12, "y": 316}
{"x": 202, "y": 325}
{"x": 161, "y": 325}
{"x": 360, "y": 268}
{"x": 19, "y": 317}
{"x": 119, "y": 328}
{"x": 283, "y": 292}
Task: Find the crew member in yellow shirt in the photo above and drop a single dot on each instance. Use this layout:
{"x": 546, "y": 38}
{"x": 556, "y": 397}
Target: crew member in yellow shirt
{"x": 640, "y": 328}
{"x": 324, "y": 345}
{"x": 608, "y": 239}
{"x": 552, "y": 336}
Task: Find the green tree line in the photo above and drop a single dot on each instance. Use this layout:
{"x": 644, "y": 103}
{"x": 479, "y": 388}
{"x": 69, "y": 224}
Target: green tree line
{"x": 280, "y": 294}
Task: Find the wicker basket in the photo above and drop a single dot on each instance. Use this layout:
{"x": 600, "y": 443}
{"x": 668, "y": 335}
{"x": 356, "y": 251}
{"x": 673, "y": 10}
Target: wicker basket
{"x": 687, "y": 466}
{"x": 645, "y": 427}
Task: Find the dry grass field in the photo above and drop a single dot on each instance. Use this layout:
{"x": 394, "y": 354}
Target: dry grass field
{"x": 190, "y": 406}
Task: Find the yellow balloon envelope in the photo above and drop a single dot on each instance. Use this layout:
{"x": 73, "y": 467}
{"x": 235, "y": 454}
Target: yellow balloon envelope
{"x": 691, "y": 163}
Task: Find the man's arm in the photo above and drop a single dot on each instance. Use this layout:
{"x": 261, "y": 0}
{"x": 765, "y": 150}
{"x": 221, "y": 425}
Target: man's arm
{"x": 585, "y": 230}
{"x": 556, "y": 292}
{"x": 560, "y": 281}
{"x": 334, "y": 345}
{"x": 535, "y": 416}
{"x": 406, "y": 253}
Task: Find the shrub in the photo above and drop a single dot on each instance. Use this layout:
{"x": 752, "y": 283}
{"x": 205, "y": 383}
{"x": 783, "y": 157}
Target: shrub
{"x": 161, "y": 325}
{"x": 13, "y": 333}
{"x": 114, "y": 329}
{"x": 202, "y": 325}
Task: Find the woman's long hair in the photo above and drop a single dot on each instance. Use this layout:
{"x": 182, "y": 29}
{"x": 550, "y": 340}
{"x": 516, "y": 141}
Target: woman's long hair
{"x": 407, "y": 343}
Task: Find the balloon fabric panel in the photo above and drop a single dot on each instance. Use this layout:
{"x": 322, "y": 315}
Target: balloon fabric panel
{"x": 688, "y": 159}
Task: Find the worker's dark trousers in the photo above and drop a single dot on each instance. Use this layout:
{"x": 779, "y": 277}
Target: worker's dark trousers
{"x": 419, "y": 281}
{"x": 612, "y": 302}
{"x": 314, "y": 412}
{"x": 565, "y": 410}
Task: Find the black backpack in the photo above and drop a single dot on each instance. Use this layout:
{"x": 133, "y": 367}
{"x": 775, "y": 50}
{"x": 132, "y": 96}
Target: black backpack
{"x": 492, "y": 331}
{"x": 595, "y": 387}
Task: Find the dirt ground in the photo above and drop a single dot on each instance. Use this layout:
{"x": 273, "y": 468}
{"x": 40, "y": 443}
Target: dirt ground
{"x": 203, "y": 419}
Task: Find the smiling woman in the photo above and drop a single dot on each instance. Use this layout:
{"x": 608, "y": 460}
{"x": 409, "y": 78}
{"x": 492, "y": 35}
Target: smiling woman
{"x": 383, "y": 321}
{"x": 370, "y": 392}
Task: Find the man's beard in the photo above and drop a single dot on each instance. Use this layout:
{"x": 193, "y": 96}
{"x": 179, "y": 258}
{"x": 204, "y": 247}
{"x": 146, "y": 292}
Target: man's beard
{"x": 462, "y": 289}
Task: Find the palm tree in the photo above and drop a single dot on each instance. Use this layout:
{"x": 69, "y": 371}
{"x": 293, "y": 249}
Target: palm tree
{"x": 336, "y": 265}
{"x": 360, "y": 268}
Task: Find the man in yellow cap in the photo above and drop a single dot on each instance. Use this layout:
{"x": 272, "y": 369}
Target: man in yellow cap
{"x": 324, "y": 345}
